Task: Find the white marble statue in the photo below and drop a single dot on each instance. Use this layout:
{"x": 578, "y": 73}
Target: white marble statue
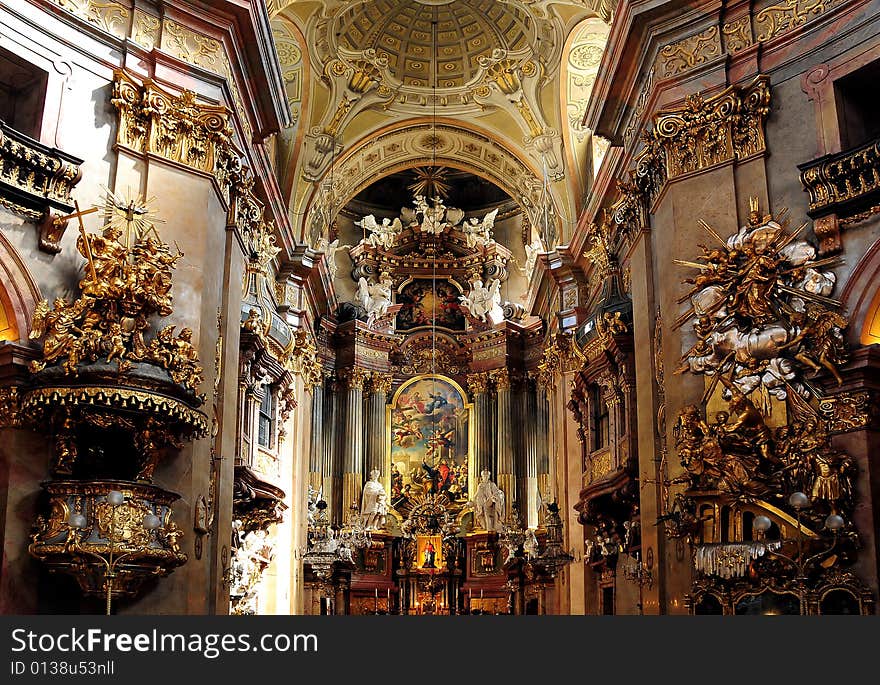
{"x": 374, "y": 503}
{"x": 384, "y": 234}
{"x": 533, "y": 249}
{"x": 435, "y": 217}
{"x": 330, "y": 249}
{"x": 375, "y": 297}
{"x": 483, "y": 302}
{"x": 478, "y": 231}
{"x": 488, "y": 505}
{"x": 530, "y": 545}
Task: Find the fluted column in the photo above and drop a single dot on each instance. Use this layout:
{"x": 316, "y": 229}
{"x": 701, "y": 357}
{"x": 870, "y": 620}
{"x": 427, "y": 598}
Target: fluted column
{"x": 478, "y": 385}
{"x": 352, "y": 438}
{"x": 543, "y": 444}
{"x": 529, "y": 481}
{"x": 334, "y": 443}
{"x": 316, "y": 455}
{"x": 376, "y": 428}
{"x": 504, "y": 454}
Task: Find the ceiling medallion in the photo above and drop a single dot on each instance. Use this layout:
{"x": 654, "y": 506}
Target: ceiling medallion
{"x": 431, "y": 181}
{"x": 432, "y": 141}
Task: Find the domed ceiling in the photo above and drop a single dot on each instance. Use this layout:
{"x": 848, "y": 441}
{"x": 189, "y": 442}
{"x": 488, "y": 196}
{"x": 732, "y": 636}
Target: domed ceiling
{"x": 375, "y": 73}
{"x": 401, "y": 31}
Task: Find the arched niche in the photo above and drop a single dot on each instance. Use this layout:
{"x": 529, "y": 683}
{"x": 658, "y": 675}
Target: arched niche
{"x": 861, "y": 298}
{"x": 19, "y": 294}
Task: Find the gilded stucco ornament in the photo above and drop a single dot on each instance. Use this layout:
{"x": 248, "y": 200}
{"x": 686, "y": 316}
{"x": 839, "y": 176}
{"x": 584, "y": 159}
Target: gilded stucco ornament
{"x": 706, "y": 132}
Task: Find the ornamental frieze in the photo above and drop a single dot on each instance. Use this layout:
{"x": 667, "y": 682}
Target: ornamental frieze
{"x": 689, "y": 53}
{"x": 705, "y": 133}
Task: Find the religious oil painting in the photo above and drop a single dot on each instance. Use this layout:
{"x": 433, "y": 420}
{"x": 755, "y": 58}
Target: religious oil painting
{"x": 429, "y": 441}
{"x": 424, "y": 301}
{"x": 429, "y": 549}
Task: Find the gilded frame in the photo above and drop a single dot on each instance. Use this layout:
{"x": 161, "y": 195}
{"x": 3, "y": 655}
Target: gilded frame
{"x": 467, "y": 406}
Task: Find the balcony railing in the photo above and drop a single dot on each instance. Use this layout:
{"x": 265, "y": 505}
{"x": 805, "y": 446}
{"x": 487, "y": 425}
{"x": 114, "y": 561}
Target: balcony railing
{"x": 845, "y": 182}
{"x": 36, "y": 182}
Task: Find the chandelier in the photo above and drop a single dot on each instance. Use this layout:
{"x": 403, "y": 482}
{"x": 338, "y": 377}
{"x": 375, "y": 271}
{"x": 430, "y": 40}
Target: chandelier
{"x": 553, "y": 557}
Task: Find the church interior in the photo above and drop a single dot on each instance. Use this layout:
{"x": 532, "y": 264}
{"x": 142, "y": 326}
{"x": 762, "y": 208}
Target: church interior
{"x": 439, "y": 307}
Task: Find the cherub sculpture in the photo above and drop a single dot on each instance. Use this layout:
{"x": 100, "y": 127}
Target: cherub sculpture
{"x": 383, "y": 234}
{"x": 477, "y": 231}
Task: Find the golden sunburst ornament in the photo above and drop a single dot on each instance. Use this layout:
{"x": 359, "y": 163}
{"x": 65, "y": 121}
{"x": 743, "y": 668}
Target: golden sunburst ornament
{"x": 431, "y": 181}
{"x": 133, "y": 217}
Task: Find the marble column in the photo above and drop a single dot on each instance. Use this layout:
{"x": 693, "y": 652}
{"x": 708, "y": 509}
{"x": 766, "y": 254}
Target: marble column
{"x": 316, "y": 453}
{"x": 542, "y": 427}
{"x": 375, "y": 437}
{"x": 334, "y": 444}
{"x": 352, "y": 438}
{"x": 504, "y": 450}
{"x": 478, "y": 385}
{"x": 529, "y": 477}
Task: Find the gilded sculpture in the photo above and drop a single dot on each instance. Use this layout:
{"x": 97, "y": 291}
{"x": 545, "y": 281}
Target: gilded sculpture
{"x": 766, "y": 326}
{"x": 127, "y": 281}
{"x": 763, "y": 316}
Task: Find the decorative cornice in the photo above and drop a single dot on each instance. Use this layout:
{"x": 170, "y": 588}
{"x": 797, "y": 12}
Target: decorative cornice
{"x": 154, "y": 121}
{"x": 41, "y": 402}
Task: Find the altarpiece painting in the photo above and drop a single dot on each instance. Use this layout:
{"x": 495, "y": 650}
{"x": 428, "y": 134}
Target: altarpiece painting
{"x": 430, "y": 441}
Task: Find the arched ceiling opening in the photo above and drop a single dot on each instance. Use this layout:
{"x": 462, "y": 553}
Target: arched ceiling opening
{"x": 492, "y": 68}
{"x": 421, "y": 143}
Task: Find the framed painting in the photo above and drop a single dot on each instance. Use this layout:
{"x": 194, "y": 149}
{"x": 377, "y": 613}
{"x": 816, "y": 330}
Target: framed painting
{"x": 425, "y": 302}
{"x": 429, "y": 552}
{"x": 429, "y": 441}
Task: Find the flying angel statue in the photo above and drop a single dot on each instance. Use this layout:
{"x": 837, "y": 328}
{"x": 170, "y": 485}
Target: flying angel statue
{"x": 375, "y": 297}
{"x": 484, "y": 302}
{"x": 478, "y": 232}
{"x": 383, "y": 234}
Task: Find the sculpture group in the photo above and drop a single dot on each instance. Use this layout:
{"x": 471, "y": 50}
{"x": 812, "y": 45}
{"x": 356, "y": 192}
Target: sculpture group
{"x": 125, "y": 285}
{"x": 766, "y": 325}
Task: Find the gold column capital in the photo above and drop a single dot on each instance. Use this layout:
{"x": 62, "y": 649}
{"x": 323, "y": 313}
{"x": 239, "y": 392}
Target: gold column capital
{"x": 501, "y": 378}
{"x": 354, "y": 378}
{"x": 381, "y": 382}
{"x": 478, "y": 382}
